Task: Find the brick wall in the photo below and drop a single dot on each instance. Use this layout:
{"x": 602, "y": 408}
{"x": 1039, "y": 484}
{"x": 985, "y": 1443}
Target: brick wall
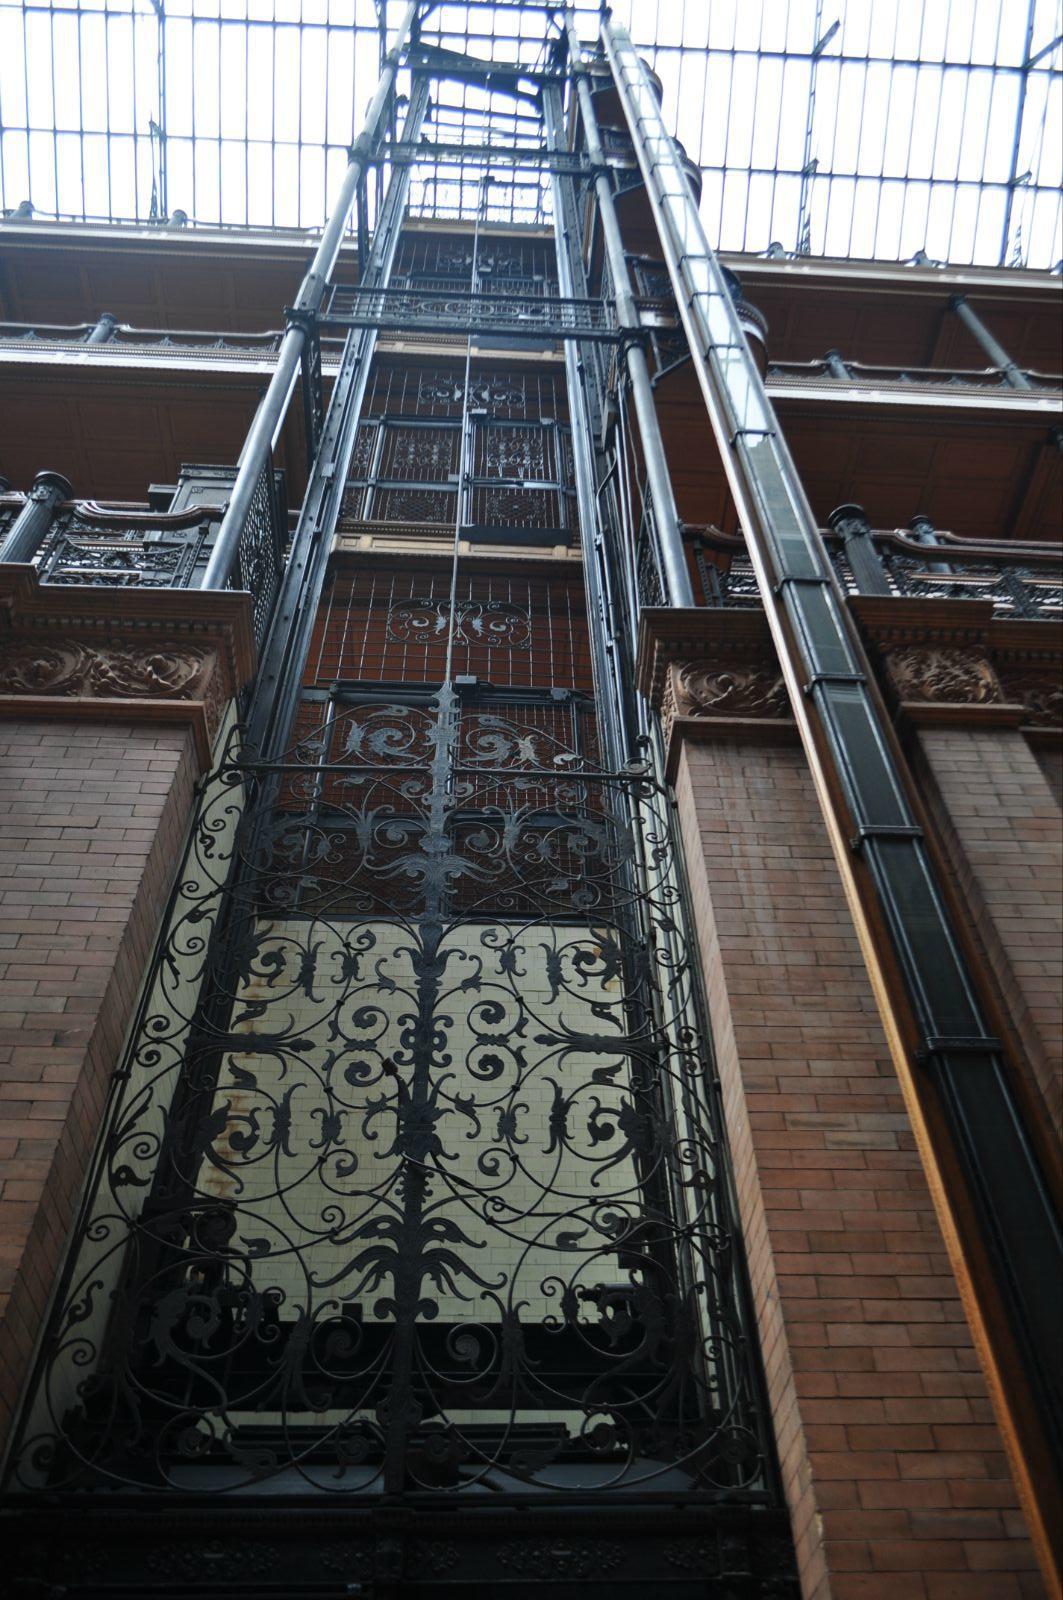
{"x": 1001, "y": 824}
{"x": 92, "y": 817}
{"x": 1050, "y": 761}
{"x": 893, "y": 1466}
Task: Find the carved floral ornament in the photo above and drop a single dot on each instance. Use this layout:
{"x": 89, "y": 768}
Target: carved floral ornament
{"x": 1039, "y": 689}
{"x": 75, "y": 667}
{"x": 742, "y": 689}
{"x": 943, "y": 674}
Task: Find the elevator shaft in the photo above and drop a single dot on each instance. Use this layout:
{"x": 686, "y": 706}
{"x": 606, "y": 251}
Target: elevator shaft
{"x": 941, "y": 1042}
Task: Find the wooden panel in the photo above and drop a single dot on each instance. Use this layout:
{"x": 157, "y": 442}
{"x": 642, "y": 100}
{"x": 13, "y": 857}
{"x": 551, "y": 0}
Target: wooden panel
{"x": 968, "y": 472}
{"x": 112, "y": 434}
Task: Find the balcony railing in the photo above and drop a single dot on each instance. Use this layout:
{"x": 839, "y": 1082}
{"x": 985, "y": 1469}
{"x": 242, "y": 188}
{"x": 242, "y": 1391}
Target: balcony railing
{"x": 529, "y": 308}
{"x": 832, "y": 371}
{"x": 122, "y": 335}
{"x": 452, "y": 307}
{"x": 121, "y": 545}
{"x": 1020, "y": 580}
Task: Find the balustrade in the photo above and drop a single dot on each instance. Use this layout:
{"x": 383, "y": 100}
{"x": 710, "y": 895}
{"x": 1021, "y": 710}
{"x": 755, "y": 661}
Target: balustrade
{"x": 126, "y": 546}
{"x": 1023, "y": 581}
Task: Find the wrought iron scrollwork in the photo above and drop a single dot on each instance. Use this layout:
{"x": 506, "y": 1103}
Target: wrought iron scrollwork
{"x": 414, "y": 1179}
{"x": 79, "y": 549}
{"x": 497, "y": 624}
{"x": 260, "y": 551}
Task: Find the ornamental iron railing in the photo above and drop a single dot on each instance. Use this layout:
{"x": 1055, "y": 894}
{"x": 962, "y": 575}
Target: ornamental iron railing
{"x": 413, "y": 1181}
{"x": 1021, "y": 581}
{"x": 452, "y": 307}
{"x": 128, "y": 546}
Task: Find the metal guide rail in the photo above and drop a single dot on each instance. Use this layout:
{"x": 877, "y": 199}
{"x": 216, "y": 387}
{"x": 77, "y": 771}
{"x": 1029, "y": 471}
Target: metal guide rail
{"x": 957, "y": 1054}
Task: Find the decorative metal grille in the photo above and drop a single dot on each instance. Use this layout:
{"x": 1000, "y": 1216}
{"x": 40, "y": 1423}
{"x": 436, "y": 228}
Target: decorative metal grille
{"x": 449, "y": 307}
{"x": 494, "y": 623}
{"x": 423, "y": 257}
{"x": 116, "y": 547}
{"x": 260, "y": 554}
{"x": 519, "y": 480}
{"x": 414, "y": 1178}
{"x": 353, "y": 643}
{"x": 1015, "y": 587}
{"x": 80, "y": 549}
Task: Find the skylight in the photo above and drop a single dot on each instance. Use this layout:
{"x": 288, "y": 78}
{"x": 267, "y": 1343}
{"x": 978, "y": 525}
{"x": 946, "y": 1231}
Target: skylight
{"x": 863, "y": 128}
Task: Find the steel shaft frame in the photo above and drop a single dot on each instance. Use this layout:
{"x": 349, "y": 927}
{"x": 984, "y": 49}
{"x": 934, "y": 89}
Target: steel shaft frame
{"x": 900, "y": 910}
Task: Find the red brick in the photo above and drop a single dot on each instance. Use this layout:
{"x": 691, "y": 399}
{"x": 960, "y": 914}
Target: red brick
{"x": 851, "y": 1280}
{"x": 79, "y": 977}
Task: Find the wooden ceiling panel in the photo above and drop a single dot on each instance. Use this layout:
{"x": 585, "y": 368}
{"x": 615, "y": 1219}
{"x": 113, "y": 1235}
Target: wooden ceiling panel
{"x": 888, "y": 327}
{"x": 972, "y": 474}
{"x": 133, "y": 287}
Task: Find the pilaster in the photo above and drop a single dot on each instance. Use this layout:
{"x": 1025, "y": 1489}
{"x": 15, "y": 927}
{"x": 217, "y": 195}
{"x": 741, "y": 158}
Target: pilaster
{"x": 892, "y": 1464}
{"x": 110, "y": 700}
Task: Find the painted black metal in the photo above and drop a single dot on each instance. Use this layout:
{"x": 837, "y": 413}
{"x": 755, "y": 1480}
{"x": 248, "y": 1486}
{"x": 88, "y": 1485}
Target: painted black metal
{"x": 104, "y": 329}
{"x": 1014, "y": 377}
{"x": 414, "y": 1183}
{"x": 571, "y": 162}
{"x": 1020, "y": 1225}
{"x": 868, "y": 572}
{"x": 276, "y": 685}
{"x": 35, "y": 518}
{"x": 415, "y": 1180}
{"x": 286, "y": 1546}
{"x": 457, "y": 309}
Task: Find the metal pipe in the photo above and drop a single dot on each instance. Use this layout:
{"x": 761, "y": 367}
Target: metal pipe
{"x": 943, "y": 1046}
{"x": 996, "y": 352}
{"x": 31, "y": 525}
{"x": 255, "y": 455}
{"x": 662, "y": 496}
{"x": 104, "y": 330}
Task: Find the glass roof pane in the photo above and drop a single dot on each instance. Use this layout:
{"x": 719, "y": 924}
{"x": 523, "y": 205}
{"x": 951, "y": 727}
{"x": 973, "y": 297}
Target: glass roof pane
{"x": 854, "y": 127}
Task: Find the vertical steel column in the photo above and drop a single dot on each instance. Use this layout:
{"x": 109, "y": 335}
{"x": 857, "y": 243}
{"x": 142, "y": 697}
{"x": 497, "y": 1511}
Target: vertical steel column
{"x": 868, "y": 572}
{"x": 104, "y": 330}
{"x": 273, "y": 407}
{"x": 277, "y": 683}
{"x": 665, "y": 515}
{"x": 923, "y": 532}
{"x": 850, "y": 750}
{"x": 607, "y": 674}
{"x": 34, "y": 520}
{"x": 836, "y": 366}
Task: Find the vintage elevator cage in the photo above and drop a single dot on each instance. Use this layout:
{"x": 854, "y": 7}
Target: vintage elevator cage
{"x": 410, "y": 1255}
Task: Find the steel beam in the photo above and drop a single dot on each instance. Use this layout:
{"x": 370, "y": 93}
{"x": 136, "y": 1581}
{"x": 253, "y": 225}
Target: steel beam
{"x": 255, "y": 456}
{"x": 902, "y": 915}
{"x": 662, "y": 496}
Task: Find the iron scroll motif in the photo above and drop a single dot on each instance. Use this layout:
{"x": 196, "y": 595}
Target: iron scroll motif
{"x": 413, "y": 1179}
{"x": 496, "y": 624}
{"x": 79, "y": 550}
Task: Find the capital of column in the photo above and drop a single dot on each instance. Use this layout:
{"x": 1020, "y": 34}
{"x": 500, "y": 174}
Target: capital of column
{"x": 712, "y": 673}
{"x": 953, "y": 662}
{"x": 160, "y": 655}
